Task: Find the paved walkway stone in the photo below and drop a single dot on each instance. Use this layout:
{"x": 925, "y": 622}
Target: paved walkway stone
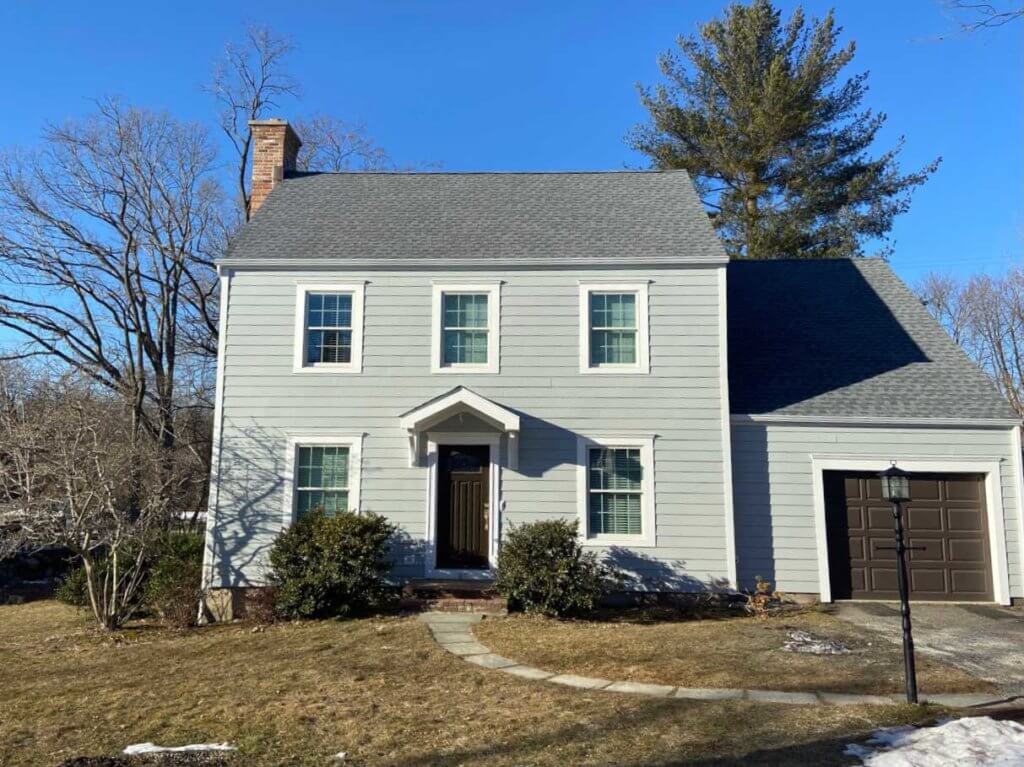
{"x": 453, "y": 632}
{"x": 528, "y": 672}
{"x": 641, "y": 688}
{"x": 582, "y": 682}
{"x": 490, "y": 660}
{"x": 706, "y": 693}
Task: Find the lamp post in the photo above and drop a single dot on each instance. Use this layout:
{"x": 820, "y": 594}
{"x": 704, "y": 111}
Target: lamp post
{"x": 896, "y": 490}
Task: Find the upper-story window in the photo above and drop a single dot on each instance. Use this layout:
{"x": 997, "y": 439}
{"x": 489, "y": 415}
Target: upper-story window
{"x": 614, "y": 328}
{"x": 466, "y": 334}
{"x": 328, "y": 328}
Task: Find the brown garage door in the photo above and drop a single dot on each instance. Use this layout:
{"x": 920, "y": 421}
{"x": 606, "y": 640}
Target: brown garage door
{"x": 946, "y": 517}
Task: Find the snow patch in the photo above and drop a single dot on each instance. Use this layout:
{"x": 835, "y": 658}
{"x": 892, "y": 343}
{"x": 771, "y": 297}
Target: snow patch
{"x": 152, "y": 748}
{"x": 803, "y": 641}
{"x": 973, "y": 742}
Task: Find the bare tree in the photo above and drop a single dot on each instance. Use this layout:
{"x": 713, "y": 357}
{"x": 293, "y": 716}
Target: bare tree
{"x": 247, "y": 84}
{"x": 985, "y": 315}
{"x": 985, "y": 15}
{"x": 107, "y": 237}
{"x": 331, "y": 144}
{"x": 68, "y": 478}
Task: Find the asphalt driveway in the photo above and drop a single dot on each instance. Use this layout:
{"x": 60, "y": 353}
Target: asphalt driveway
{"x": 984, "y": 640}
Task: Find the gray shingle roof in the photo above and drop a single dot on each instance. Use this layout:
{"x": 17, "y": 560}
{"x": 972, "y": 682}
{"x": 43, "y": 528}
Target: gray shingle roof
{"x": 844, "y": 338}
{"x": 450, "y": 216}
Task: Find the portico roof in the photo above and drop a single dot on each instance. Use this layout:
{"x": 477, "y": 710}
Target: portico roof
{"x": 458, "y": 401}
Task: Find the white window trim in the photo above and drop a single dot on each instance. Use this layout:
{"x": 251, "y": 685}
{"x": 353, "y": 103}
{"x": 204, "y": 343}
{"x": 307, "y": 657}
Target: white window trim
{"x": 643, "y": 351}
{"x": 302, "y": 289}
{"x": 493, "y": 292}
{"x": 990, "y": 468}
{"x": 354, "y": 443}
{"x": 495, "y": 507}
{"x": 648, "y": 538}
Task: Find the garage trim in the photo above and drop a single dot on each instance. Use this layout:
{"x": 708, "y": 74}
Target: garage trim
{"x": 993, "y": 506}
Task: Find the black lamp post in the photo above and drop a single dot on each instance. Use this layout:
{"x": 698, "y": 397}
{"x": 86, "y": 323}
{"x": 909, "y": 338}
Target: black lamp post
{"x": 896, "y": 490}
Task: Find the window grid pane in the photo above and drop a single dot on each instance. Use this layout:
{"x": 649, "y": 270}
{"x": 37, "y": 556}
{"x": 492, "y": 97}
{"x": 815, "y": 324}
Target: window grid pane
{"x": 615, "y": 482}
{"x": 328, "y": 328}
{"x": 322, "y": 478}
{"x": 465, "y": 329}
{"x": 613, "y": 329}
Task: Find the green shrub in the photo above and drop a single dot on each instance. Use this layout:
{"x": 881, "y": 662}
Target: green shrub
{"x": 542, "y": 568}
{"x": 73, "y": 590}
{"x": 326, "y": 566}
{"x": 173, "y": 584}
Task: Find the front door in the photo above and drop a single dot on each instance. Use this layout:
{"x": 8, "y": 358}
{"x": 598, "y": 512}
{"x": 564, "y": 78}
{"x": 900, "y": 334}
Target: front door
{"x": 463, "y": 493}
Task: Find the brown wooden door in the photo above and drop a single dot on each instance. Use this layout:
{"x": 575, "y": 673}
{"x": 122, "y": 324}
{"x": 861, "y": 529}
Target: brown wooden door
{"x": 463, "y": 492}
{"x": 945, "y": 520}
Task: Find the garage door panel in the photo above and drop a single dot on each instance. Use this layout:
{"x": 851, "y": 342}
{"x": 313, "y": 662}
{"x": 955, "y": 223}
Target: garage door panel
{"x": 858, "y": 549}
{"x": 883, "y": 579}
{"x": 966, "y": 551}
{"x": 926, "y": 550}
{"x": 924, "y": 489}
{"x": 879, "y": 518}
{"x": 970, "y": 582}
{"x": 922, "y": 518}
{"x": 964, "y": 491}
{"x": 963, "y": 520}
{"x": 931, "y": 581}
{"x": 945, "y": 519}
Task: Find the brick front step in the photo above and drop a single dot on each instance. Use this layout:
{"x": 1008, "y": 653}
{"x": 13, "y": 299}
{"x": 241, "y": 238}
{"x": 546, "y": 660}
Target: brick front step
{"x": 490, "y": 605}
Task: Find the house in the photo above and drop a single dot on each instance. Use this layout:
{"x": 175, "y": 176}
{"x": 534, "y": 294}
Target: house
{"x": 464, "y": 352}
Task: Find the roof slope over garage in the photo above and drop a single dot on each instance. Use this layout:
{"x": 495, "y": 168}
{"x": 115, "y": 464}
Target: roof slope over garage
{"x": 527, "y": 217}
{"x": 844, "y": 338}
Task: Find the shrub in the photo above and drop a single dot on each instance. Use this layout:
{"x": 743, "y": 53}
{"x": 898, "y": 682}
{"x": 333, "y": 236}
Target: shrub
{"x": 764, "y": 601}
{"x": 173, "y": 585}
{"x": 326, "y": 566}
{"x": 542, "y": 568}
{"x": 72, "y": 590}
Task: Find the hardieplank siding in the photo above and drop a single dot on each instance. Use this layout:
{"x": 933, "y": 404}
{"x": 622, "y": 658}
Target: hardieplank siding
{"x": 679, "y": 403}
{"x": 773, "y": 489}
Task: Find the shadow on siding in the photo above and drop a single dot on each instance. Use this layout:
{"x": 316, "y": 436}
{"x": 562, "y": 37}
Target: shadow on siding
{"x": 755, "y": 542}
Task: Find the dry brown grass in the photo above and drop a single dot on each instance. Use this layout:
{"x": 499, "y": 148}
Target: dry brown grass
{"x": 379, "y": 689}
{"x": 729, "y": 652}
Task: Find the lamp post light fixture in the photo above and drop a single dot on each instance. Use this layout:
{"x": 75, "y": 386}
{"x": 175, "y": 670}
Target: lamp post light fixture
{"x": 896, "y": 490}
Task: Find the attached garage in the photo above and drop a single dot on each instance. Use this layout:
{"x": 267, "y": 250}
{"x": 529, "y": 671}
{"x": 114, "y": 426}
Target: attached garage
{"x": 947, "y": 529}
{"x": 836, "y": 370}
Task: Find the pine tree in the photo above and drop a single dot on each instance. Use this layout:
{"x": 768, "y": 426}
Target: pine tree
{"x": 778, "y": 147}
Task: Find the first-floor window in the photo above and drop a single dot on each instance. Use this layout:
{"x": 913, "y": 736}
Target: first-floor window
{"x": 322, "y": 478}
{"x": 615, "y": 491}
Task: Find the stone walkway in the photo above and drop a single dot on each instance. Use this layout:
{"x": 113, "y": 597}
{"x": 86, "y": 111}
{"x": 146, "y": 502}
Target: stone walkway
{"x": 453, "y": 631}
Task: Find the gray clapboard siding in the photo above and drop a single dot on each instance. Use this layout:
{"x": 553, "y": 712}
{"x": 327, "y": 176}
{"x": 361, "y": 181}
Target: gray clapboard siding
{"x": 773, "y": 489}
{"x": 679, "y": 402}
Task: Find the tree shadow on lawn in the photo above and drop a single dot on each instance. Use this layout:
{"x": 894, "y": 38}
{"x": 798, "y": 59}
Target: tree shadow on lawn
{"x": 715, "y": 723}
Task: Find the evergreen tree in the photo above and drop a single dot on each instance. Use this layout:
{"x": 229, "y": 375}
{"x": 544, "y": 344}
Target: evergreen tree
{"x": 777, "y": 146}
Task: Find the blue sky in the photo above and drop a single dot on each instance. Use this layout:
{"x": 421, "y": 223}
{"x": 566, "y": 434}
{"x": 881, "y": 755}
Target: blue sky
{"x": 544, "y": 85}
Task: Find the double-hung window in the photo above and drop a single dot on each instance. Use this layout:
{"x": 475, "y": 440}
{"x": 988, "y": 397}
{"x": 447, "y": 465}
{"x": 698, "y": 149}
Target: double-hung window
{"x": 322, "y": 472}
{"x": 616, "y": 489}
{"x": 465, "y": 335}
{"x": 613, "y": 328}
{"x": 328, "y": 328}
{"x": 322, "y": 478}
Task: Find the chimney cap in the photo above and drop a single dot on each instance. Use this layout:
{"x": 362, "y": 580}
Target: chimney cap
{"x": 269, "y": 121}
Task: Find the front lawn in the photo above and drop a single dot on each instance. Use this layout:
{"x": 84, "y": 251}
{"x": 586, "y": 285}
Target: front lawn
{"x": 727, "y": 652}
{"x": 378, "y": 689}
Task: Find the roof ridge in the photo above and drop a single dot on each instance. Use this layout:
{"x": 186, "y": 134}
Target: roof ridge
{"x": 606, "y": 172}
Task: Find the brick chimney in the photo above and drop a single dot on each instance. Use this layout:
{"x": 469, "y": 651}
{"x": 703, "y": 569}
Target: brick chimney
{"x": 274, "y": 148}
